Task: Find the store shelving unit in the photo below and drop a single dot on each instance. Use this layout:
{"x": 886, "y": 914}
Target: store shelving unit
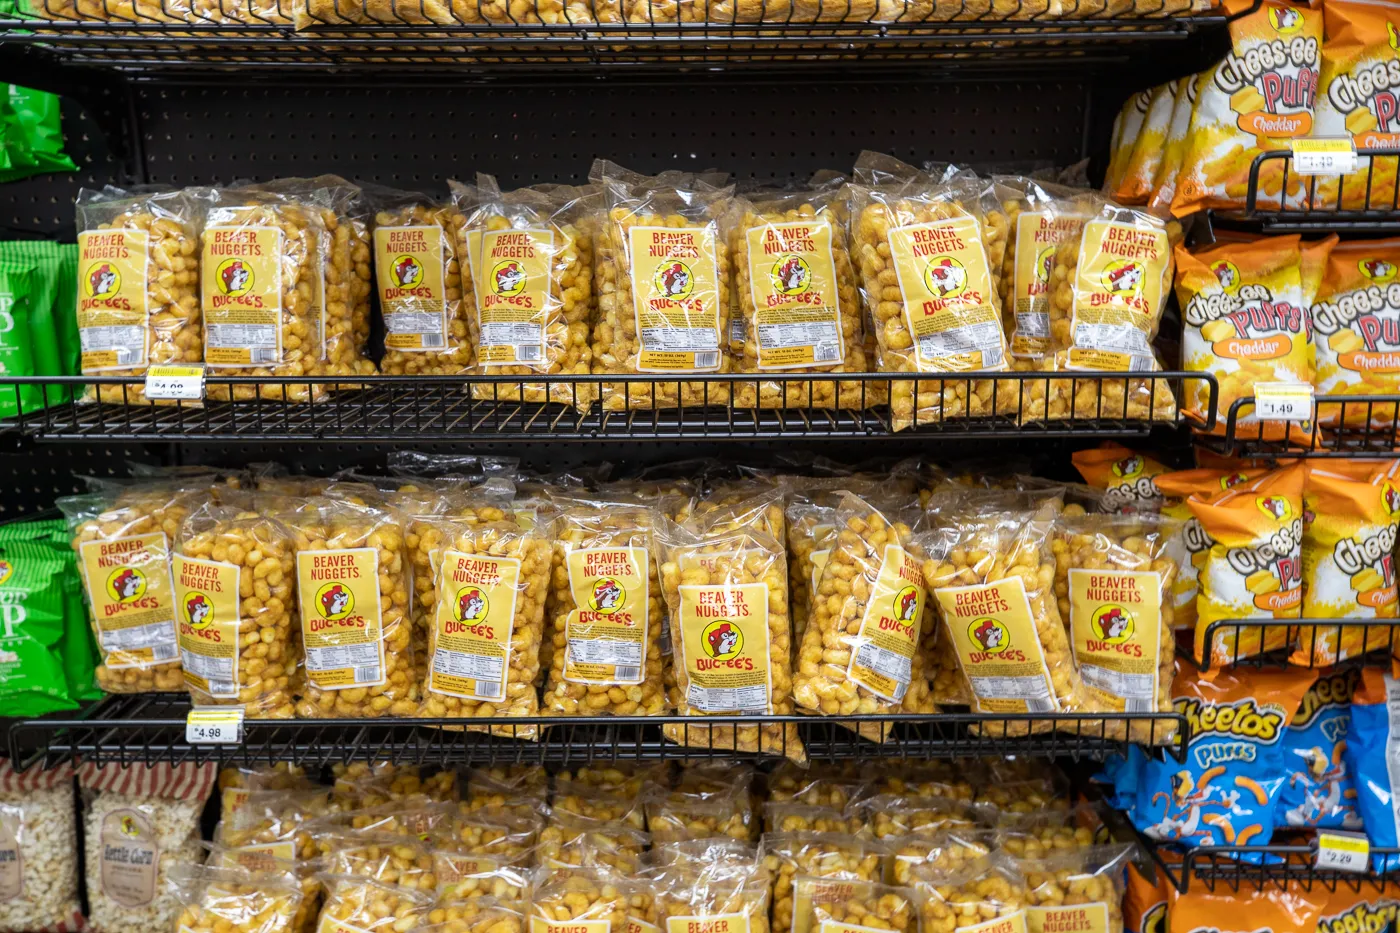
{"x": 1264, "y": 868}
{"x": 1368, "y": 202}
{"x": 1342, "y": 426}
{"x": 1310, "y": 642}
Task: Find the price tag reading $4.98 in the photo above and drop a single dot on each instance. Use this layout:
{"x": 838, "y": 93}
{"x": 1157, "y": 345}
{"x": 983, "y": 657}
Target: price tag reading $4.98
{"x": 218, "y": 726}
{"x": 1343, "y": 851}
{"x": 184, "y": 382}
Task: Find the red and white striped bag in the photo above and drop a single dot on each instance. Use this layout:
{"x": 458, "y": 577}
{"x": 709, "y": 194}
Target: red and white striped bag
{"x": 38, "y": 851}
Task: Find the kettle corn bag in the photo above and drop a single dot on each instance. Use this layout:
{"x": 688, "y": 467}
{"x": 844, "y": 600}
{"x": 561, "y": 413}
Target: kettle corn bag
{"x": 1356, "y": 324}
{"x": 1258, "y": 99}
{"x": 1245, "y": 320}
{"x": 1253, "y": 569}
{"x": 1351, "y": 514}
{"x": 1135, "y": 185}
{"x": 1320, "y": 790}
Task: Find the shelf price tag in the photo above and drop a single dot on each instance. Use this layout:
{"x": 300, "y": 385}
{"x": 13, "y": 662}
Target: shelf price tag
{"x": 1324, "y": 155}
{"x": 1343, "y": 851}
{"x": 184, "y": 382}
{"x": 1283, "y": 401}
{"x": 221, "y": 725}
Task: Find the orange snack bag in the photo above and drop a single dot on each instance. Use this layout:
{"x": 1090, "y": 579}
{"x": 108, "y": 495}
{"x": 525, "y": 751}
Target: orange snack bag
{"x": 1350, "y": 523}
{"x": 1136, "y": 184}
{"x": 1258, "y": 98}
{"x": 1371, "y": 908}
{"x": 1178, "y": 138}
{"x": 1315, "y": 255}
{"x": 1357, "y": 98}
{"x": 1356, "y": 325}
{"x": 1125, "y": 477}
{"x": 1253, "y": 568}
{"x": 1244, "y": 321}
{"x": 1145, "y": 901}
{"x": 1126, "y": 127}
{"x": 1246, "y": 911}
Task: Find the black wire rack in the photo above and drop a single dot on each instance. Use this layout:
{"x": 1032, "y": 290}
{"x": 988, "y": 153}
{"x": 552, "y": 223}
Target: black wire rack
{"x": 1367, "y": 200}
{"x": 1277, "y": 866}
{"x": 387, "y": 408}
{"x": 1341, "y": 426}
{"x": 454, "y": 35}
{"x": 1310, "y": 642}
{"x": 148, "y": 728}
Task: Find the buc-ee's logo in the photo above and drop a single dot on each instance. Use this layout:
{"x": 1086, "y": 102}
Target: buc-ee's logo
{"x": 906, "y": 605}
{"x": 472, "y": 605}
{"x": 1392, "y": 36}
{"x": 128, "y": 827}
{"x": 103, "y": 280}
{"x": 234, "y": 277}
{"x": 1390, "y": 498}
{"x": 989, "y": 635}
{"x": 1123, "y": 277}
{"x": 1377, "y": 270}
{"x": 945, "y": 277}
{"x": 126, "y": 584}
{"x": 791, "y": 275}
{"x": 6, "y": 568}
{"x": 335, "y": 601}
{"x": 198, "y": 610}
{"x": 1112, "y": 624}
{"x": 1227, "y": 274}
{"x": 507, "y": 278}
{"x": 607, "y": 597}
{"x": 1285, "y": 20}
{"x": 1044, "y": 262}
{"x": 722, "y": 640}
{"x": 1276, "y": 507}
{"x": 406, "y": 272}
{"x": 673, "y": 280}
{"x": 1128, "y": 467}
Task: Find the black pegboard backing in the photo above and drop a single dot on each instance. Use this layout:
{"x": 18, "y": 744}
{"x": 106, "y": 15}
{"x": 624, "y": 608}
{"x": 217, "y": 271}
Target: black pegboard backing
{"x": 418, "y": 136}
{"x": 34, "y": 476}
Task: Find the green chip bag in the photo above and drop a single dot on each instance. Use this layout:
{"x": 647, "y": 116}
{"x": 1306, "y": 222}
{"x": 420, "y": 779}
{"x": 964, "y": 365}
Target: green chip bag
{"x": 33, "y": 134}
{"x": 32, "y": 678}
{"x": 65, "y": 311}
{"x": 48, "y": 265}
{"x": 16, "y": 354}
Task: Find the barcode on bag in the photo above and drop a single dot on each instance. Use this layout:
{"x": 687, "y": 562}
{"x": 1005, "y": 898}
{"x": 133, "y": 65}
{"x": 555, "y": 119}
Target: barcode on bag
{"x": 825, "y": 353}
{"x": 164, "y": 652}
{"x": 1137, "y": 705}
{"x": 707, "y": 360}
{"x": 432, "y": 340}
{"x": 126, "y": 356}
{"x": 262, "y": 354}
{"x": 528, "y": 353}
{"x": 488, "y": 688}
{"x": 220, "y": 687}
{"x": 628, "y": 673}
{"x": 1040, "y": 704}
{"x": 366, "y": 675}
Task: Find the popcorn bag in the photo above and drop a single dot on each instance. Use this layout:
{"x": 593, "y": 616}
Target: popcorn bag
{"x": 38, "y": 851}
{"x": 1356, "y": 324}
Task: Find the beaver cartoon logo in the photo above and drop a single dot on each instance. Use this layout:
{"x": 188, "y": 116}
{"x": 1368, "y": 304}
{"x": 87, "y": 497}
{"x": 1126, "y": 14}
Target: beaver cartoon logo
{"x": 722, "y": 640}
{"x": 1276, "y": 507}
{"x": 1044, "y": 262}
{"x": 1155, "y": 920}
{"x": 128, "y": 826}
{"x": 906, "y": 605}
{"x": 673, "y": 281}
{"x": 1232, "y": 479}
{"x": 1390, "y": 498}
{"x": 103, "y": 280}
{"x": 607, "y": 597}
{"x": 507, "y": 278}
{"x": 1123, "y": 277}
{"x": 1285, "y": 20}
{"x": 235, "y": 278}
{"x": 1227, "y": 274}
{"x": 1377, "y": 270}
{"x": 126, "y": 584}
{"x": 791, "y": 275}
{"x": 989, "y": 635}
{"x": 335, "y": 601}
{"x": 1112, "y": 624}
{"x": 1392, "y": 36}
{"x": 6, "y": 568}
{"x": 945, "y": 277}
{"x": 1128, "y": 467}
{"x": 472, "y": 605}
{"x": 406, "y": 272}
{"x": 199, "y": 610}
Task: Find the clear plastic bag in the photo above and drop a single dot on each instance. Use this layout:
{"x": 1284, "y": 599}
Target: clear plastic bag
{"x": 228, "y": 900}
{"x": 576, "y": 841}
{"x": 811, "y": 528}
{"x": 790, "y": 856}
{"x": 519, "y": 789}
{"x": 578, "y": 895}
{"x": 39, "y": 844}
{"x": 1047, "y": 833}
{"x": 585, "y": 801}
{"x": 894, "y": 815}
{"x": 955, "y": 780}
{"x": 674, "y": 816}
{"x": 400, "y": 860}
{"x": 1082, "y": 889}
{"x": 620, "y": 778}
{"x": 836, "y": 786}
{"x": 967, "y": 898}
{"x": 793, "y": 817}
{"x": 719, "y": 893}
{"x": 845, "y": 904}
{"x": 946, "y": 850}
{"x": 476, "y": 915}
{"x": 372, "y": 906}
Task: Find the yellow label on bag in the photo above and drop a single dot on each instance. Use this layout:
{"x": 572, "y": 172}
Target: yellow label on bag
{"x": 638, "y": 925}
{"x": 455, "y": 871}
{"x": 515, "y": 275}
{"x": 112, "y": 303}
{"x": 206, "y": 610}
{"x": 1038, "y": 233}
{"x": 329, "y": 924}
{"x": 819, "y": 559}
{"x": 541, "y": 925}
{"x": 797, "y": 308}
{"x": 606, "y": 631}
{"x": 1011, "y": 923}
{"x": 812, "y": 896}
{"x": 241, "y": 295}
{"x": 1115, "y": 619}
{"x": 341, "y": 624}
{"x": 128, "y": 587}
{"x": 997, "y": 646}
{"x": 882, "y": 661}
{"x": 473, "y": 623}
{"x": 713, "y": 923}
{"x": 259, "y": 857}
{"x": 409, "y": 267}
{"x": 725, "y": 647}
{"x": 1078, "y": 918}
{"x": 946, "y": 284}
{"x": 675, "y": 287}
{"x": 1119, "y": 289}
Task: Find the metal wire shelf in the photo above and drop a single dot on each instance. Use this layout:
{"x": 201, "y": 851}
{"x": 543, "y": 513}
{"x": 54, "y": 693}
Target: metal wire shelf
{"x": 1368, "y": 200}
{"x": 1341, "y": 426}
{"x": 422, "y": 35}
{"x": 147, "y": 728}
{"x": 1280, "y": 866}
{"x": 1311, "y": 642}
{"x": 386, "y": 408}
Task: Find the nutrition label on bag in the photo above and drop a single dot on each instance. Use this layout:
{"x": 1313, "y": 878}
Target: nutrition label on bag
{"x": 112, "y": 299}
{"x": 606, "y": 636}
{"x": 341, "y": 624}
{"x": 725, "y": 632}
{"x": 675, "y": 286}
{"x": 884, "y": 652}
{"x": 946, "y": 283}
{"x": 206, "y": 608}
{"x": 515, "y": 276}
{"x": 797, "y": 308}
{"x": 241, "y": 294}
{"x": 128, "y": 586}
{"x": 997, "y": 646}
{"x": 409, "y": 266}
{"x": 1115, "y": 619}
{"x": 475, "y": 616}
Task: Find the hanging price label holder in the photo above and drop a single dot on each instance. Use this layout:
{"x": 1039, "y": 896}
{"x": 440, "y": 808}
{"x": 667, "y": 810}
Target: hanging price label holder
{"x": 184, "y": 382}
{"x": 1343, "y": 851}
{"x": 1323, "y": 155}
{"x": 1283, "y": 401}
{"x": 215, "y": 726}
